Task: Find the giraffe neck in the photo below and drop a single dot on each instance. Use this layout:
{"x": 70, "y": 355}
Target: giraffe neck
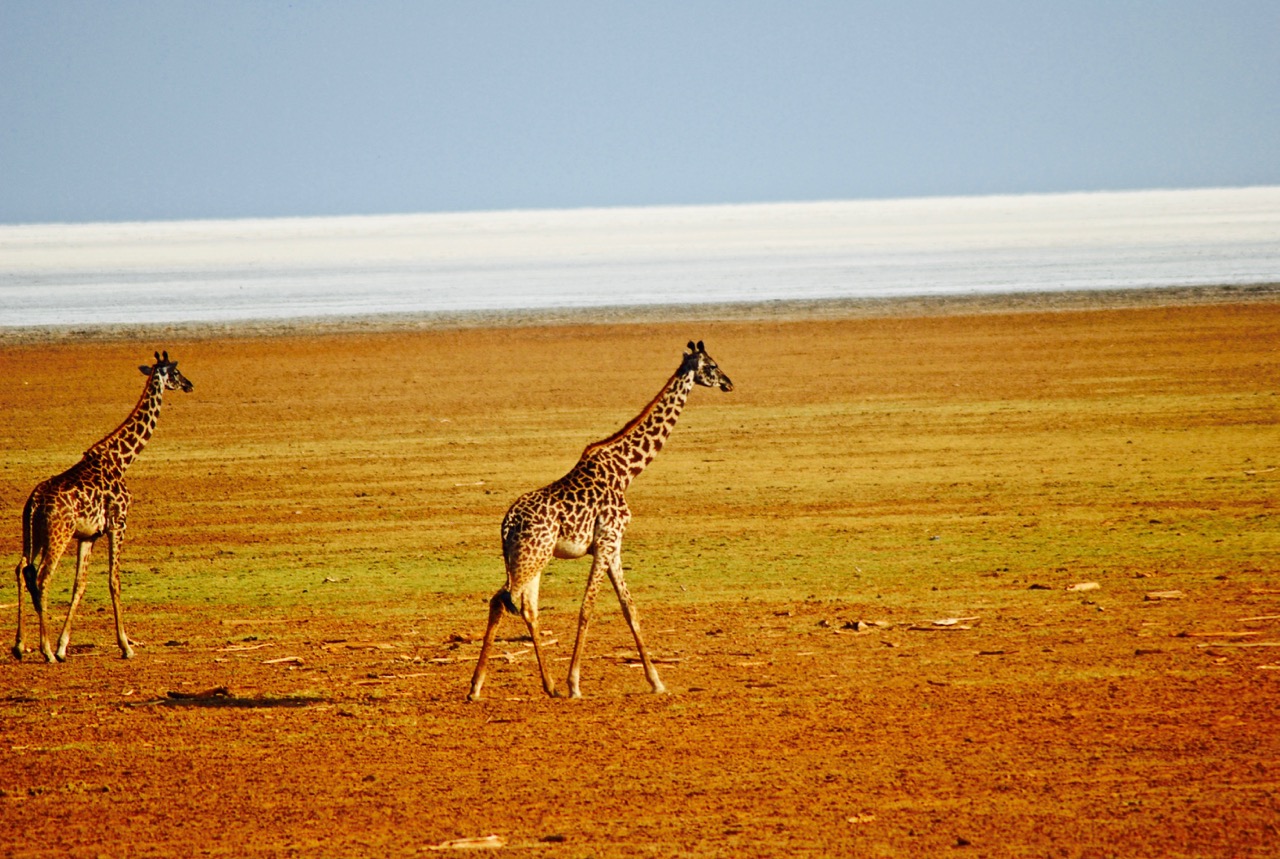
{"x": 629, "y": 451}
{"x": 122, "y": 446}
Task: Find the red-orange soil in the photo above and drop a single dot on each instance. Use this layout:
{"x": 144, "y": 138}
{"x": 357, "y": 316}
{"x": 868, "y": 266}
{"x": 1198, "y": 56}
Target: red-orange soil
{"x": 1054, "y": 728}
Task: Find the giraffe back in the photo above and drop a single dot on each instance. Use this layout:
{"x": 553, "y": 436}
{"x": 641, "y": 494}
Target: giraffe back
{"x": 84, "y": 501}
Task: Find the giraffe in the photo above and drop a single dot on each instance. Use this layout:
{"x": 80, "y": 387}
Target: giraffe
{"x": 84, "y": 502}
{"x": 585, "y": 513}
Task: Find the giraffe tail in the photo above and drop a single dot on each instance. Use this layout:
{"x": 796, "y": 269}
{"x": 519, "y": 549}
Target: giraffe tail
{"x": 33, "y": 587}
{"x": 507, "y": 602}
{"x": 26, "y": 567}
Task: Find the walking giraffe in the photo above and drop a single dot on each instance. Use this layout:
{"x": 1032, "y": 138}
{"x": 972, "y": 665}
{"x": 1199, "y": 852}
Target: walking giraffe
{"x": 585, "y": 513}
{"x": 84, "y": 502}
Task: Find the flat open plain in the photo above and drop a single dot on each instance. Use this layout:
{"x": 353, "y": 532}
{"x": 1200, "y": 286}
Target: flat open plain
{"x": 857, "y": 569}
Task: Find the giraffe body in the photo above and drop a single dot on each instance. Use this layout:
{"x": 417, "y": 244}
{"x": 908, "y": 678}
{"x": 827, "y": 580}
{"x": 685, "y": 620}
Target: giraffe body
{"x": 84, "y": 503}
{"x": 585, "y": 513}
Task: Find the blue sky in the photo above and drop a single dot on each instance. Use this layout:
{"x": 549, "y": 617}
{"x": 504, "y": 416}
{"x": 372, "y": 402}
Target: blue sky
{"x": 173, "y": 110}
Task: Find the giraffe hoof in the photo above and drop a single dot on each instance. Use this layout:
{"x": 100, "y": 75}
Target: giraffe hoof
{"x": 17, "y": 652}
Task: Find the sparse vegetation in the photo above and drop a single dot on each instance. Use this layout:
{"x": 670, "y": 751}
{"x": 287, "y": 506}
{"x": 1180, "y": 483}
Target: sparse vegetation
{"x": 317, "y": 526}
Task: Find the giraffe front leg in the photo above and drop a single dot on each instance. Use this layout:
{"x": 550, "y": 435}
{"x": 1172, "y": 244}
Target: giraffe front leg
{"x": 633, "y": 620}
{"x": 77, "y": 592}
{"x": 584, "y": 620}
{"x": 114, "y": 539}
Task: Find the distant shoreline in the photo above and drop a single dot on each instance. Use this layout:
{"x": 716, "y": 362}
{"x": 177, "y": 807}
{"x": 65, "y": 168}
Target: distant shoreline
{"x": 761, "y": 311}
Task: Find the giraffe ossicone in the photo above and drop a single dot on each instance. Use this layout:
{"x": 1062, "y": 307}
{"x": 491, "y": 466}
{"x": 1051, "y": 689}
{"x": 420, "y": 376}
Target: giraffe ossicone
{"x": 83, "y": 503}
{"x": 585, "y": 513}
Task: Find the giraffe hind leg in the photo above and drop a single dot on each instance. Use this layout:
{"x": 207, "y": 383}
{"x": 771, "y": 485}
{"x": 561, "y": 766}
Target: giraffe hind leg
{"x": 77, "y": 593}
{"x": 41, "y": 599}
{"x": 525, "y": 563}
{"x": 497, "y": 604}
{"x": 55, "y": 545}
{"x": 25, "y": 574}
{"x": 529, "y": 611}
{"x": 502, "y": 602}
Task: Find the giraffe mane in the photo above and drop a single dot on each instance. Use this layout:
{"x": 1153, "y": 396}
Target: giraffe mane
{"x": 633, "y": 423}
{"x": 146, "y": 393}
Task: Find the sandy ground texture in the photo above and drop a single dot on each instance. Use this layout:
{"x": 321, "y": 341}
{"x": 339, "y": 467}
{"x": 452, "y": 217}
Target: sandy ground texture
{"x": 964, "y": 582}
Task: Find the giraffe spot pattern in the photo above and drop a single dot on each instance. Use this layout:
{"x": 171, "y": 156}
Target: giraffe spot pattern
{"x": 89, "y": 500}
{"x": 585, "y": 512}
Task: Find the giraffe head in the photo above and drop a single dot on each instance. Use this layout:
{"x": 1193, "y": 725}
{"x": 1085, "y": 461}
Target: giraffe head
{"x": 168, "y": 371}
{"x": 704, "y": 369}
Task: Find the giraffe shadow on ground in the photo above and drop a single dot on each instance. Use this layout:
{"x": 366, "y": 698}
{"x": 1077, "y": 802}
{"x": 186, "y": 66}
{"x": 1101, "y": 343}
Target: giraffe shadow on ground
{"x": 222, "y": 699}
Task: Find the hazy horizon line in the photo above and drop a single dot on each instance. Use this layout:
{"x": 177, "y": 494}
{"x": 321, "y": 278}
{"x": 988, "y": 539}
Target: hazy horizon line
{"x": 624, "y": 207}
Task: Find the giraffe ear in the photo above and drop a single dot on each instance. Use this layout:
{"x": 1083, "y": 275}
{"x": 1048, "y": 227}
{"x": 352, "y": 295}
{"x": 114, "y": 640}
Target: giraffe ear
{"x": 146, "y": 371}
